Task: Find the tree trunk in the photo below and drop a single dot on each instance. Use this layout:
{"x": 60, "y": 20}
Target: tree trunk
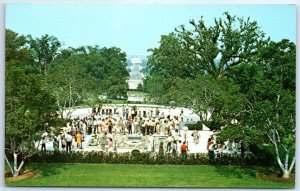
{"x": 11, "y": 169}
{"x": 286, "y": 174}
{"x": 16, "y": 170}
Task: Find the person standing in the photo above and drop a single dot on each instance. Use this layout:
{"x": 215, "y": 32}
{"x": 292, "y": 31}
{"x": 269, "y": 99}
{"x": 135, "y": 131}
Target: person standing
{"x": 43, "y": 149}
{"x": 63, "y": 142}
{"x": 143, "y": 127}
{"x": 211, "y": 152}
{"x": 110, "y": 145}
{"x": 69, "y": 142}
{"x": 78, "y": 139}
{"x": 170, "y": 140}
{"x": 148, "y": 124}
{"x": 174, "y": 148}
{"x": 185, "y": 131}
{"x": 184, "y": 151}
{"x": 152, "y": 127}
{"x": 161, "y": 149}
{"x": 129, "y": 125}
{"x": 178, "y": 145}
{"x": 156, "y": 112}
{"x": 110, "y": 125}
{"x": 95, "y": 125}
{"x": 196, "y": 137}
{"x": 137, "y": 126}
{"x": 209, "y": 142}
{"x": 56, "y": 144}
{"x": 104, "y": 141}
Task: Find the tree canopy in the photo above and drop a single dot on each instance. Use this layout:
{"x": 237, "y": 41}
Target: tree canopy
{"x": 42, "y": 79}
{"x": 240, "y": 83}
{"x": 30, "y": 107}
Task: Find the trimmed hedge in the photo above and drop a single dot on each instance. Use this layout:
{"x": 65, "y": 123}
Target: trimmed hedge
{"x": 145, "y": 158}
{"x": 196, "y": 126}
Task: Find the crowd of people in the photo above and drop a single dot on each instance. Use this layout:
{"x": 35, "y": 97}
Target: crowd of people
{"x": 216, "y": 148}
{"x": 108, "y": 121}
{"x": 111, "y": 120}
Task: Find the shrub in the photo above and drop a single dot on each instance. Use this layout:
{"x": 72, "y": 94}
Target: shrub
{"x": 197, "y": 126}
{"x": 135, "y": 157}
{"x": 135, "y": 153}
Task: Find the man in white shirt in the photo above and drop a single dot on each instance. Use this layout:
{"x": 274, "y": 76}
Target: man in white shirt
{"x": 170, "y": 140}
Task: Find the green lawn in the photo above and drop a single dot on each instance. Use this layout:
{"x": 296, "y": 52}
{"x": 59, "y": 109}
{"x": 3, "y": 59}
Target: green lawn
{"x": 129, "y": 175}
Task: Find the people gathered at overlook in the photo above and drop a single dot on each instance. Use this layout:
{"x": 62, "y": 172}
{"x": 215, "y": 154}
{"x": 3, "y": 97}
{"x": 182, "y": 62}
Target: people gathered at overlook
{"x": 109, "y": 121}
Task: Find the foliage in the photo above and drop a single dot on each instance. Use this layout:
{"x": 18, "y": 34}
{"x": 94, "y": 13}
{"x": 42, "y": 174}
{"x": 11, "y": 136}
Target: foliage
{"x": 270, "y": 115}
{"x": 44, "y": 50}
{"x": 104, "y": 68}
{"x": 218, "y": 48}
{"x": 197, "y": 126}
{"x": 240, "y": 83}
{"x": 70, "y": 83}
{"x": 16, "y": 51}
{"x": 205, "y": 50}
{"x": 136, "y": 157}
{"x": 171, "y": 59}
{"x": 30, "y": 108}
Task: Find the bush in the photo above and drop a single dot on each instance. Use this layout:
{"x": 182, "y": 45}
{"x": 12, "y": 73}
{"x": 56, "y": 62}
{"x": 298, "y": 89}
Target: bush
{"x": 135, "y": 153}
{"x": 197, "y": 126}
{"x": 135, "y": 157}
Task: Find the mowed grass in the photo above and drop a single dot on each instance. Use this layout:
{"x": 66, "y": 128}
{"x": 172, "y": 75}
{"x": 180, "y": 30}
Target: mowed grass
{"x": 130, "y": 175}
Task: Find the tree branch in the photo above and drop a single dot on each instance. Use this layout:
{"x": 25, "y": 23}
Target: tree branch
{"x": 292, "y": 164}
{"x": 11, "y": 169}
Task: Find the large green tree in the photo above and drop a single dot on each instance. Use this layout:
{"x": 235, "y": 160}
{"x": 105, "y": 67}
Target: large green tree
{"x": 44, "y": 50}
{"x": 70, "y": 83}
{"x": 243, "y": 80}
{"x": 227, "y": 43}
{"x": 171, "y": 59}
{"x": 30, "y": 108}
{"x": 269, "y": 85}
{"x": 203, "y": 50}
{"x": 167, "y": 64}
{"x": 107, "y": 67}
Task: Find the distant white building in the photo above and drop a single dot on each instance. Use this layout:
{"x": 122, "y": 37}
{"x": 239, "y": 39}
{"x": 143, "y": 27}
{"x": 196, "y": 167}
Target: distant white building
{"x": 135, "y": 75}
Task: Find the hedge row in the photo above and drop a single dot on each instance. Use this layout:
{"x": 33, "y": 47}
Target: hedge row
{"x": 145, "y": 158}
{"x": 197, "y": 126}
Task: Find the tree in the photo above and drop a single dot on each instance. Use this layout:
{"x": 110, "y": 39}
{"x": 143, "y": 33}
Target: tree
{"x": 226, "y": 44}
{"x": 275, "y": 111}
{"x": 271, "y": 112}
{"x": 171, "y": 59}
{"x": 166, "y": 64}
{"x": 205, "y": 50}
{"x": 216, "y": 101}
{"x": 30, "y": 108}
{"x": 16, "y": 50}
{"x": 114, "y": 70}
{"x": 70, "y": 83}
{"x": 44, "y": 50}
{"x": 107, "y": 67}
{"x": 84, "y": 73}
{"x": 245, "y": 81}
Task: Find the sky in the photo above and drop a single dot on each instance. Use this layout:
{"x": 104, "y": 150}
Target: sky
{"x": 135, "y": 27}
